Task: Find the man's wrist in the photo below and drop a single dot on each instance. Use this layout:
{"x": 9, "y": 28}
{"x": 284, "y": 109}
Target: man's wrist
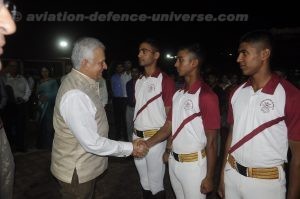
{"x": 168, "y": 150}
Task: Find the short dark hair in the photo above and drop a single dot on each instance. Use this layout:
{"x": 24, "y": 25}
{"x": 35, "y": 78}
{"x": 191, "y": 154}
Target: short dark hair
{"x": 153, "y": 43}
{"x": 259, "y": 36}
{"x": 196, "y": 49}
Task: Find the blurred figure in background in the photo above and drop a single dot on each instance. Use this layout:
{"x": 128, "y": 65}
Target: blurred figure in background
{"x": 46, "y": 92}
{"x": 131, "y": 102}
{"x": 19, "y": 92}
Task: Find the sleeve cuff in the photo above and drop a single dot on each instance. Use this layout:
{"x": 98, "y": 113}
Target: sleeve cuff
{"x": 127, "y": 148}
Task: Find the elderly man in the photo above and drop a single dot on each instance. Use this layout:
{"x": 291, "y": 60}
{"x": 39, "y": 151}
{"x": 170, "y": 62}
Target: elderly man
{"x": 80, "y": 142}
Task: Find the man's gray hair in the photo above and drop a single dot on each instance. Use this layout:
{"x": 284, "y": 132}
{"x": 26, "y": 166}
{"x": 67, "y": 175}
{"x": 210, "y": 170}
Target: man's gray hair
{"x": 84, "y": 49}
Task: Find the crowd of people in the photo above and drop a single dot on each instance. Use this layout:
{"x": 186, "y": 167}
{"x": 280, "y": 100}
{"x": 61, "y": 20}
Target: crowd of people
{"x": 158, "y": 121}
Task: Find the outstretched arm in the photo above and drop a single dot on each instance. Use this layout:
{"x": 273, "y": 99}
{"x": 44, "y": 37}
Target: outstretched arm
{"x": 162, "y": 134}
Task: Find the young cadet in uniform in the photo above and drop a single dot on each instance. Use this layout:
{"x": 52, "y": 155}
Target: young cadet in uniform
{"x": 265, "y": 119}
{"x": 153, "y": 94}
{"x": 195, "y": 120}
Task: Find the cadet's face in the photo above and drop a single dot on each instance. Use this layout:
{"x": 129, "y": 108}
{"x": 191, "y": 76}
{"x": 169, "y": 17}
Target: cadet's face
{"x": 97, "y": 65}
{"x": 7, "y": 25}
{"x": 249, "y": 58}
{"x": 147, "y": 56}
{"x": 184, "y": 63}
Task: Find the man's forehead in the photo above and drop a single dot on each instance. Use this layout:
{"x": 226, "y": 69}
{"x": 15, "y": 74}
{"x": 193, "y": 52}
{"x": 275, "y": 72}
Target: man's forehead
{"x": 182, "y": 53}
{"x": 245, "y": 46}
{"x": 145, "y": 45}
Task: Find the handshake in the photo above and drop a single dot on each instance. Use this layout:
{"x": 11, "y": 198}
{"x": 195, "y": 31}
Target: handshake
{"x": 140, "y": 148}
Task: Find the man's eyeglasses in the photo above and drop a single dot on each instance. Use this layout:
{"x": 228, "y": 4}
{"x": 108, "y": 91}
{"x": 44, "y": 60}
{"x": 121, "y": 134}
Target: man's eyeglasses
{"x": 11, "y": 7}
{"x": 145, "y": 50}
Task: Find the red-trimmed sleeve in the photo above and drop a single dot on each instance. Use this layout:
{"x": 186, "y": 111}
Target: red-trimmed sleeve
{"x": 209, "y": 106}
{"x": 168, "y": 90}
{"x": 292, "y": 113}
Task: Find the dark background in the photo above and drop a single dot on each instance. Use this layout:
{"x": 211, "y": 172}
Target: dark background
{"x": 38, "y": 40}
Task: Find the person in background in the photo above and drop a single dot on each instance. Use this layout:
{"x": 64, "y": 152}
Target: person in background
{"x": 18, "y": 111}
{"x": 46, "y": 92}
{"x": 119, "y": 102}
{"x": 131, "y": 101}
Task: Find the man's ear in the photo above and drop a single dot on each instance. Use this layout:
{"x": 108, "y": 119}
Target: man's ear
{"x": 265, "y": 54}
{"x": 195, "y": 62}
{"x": 84, "y": 62}
{"x": 156, "y": 55}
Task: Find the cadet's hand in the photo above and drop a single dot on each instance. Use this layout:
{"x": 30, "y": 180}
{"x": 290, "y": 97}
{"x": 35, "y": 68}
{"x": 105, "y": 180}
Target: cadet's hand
{"x": 166, "y": 155}
{"x": 207, "y": 185}
{"x": 221, "y": 188}
{"x": 140, "y": 148}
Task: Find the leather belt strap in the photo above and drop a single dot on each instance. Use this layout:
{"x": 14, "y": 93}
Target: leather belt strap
{"x": 145, "y": 134}
{"x": 261, "y": 173}
{"x": 147, "y": 103}
{"x": 253, "y": 133}
{"x": 190, "y": 157}
{"x": 184, "y": 122}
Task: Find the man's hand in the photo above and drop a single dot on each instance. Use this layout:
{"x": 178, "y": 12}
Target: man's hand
{"x": 221, "y": 188}
{"x": 207, "y": 185}
{"x": 166, "y": 154}
{"x": 165, "y": 157}
{"x": 140, "y": 148}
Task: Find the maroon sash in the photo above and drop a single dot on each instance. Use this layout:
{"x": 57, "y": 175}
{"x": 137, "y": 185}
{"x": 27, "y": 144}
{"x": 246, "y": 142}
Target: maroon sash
{"x": 147, "y": 103}
{"x": 253, "y": 133}
{"x": 184, "y": 122}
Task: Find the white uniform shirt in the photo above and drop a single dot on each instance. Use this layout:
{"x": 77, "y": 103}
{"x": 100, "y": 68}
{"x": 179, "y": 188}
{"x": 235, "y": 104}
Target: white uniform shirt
{"x": 154, "y": 115}
{"x": 192, "y": 136}
{"x": 79, "y": 112}
{"x": 199, "y": 98}
{"x": 249, "y": 109}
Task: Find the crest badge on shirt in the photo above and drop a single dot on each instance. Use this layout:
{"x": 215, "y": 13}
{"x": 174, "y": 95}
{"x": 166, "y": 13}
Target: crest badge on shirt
{"x": 151, "y": 88}
{"x": 266, "y": 105}
{"x": 188, "y": 105}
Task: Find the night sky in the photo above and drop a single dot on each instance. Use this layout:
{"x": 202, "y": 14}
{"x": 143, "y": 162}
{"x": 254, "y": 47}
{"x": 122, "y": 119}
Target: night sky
{"x": 38, "y": 40}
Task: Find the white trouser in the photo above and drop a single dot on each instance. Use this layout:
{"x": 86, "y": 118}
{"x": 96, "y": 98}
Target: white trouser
{"x": 151, "y": 168}
{"x": 186, "y": 177}
{"x": 238, "y": 186}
